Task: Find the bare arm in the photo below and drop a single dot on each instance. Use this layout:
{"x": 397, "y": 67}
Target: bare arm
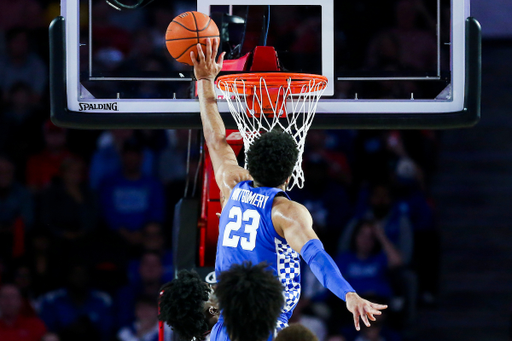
{"x": 393, "y": 255}
{"x": 225, "y": 165}
{"x": 293, "y": 222}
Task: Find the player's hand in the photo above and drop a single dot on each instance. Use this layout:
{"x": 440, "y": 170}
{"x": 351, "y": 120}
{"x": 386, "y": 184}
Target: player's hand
{"x": 205, "y": 66}
{"x": 364, "y": 309}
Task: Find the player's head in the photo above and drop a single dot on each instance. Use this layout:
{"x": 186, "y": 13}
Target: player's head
{"x": 296, "y": 332}
{"x": 188, "y": 305}
{"x": 250, "y": 298}
{"x": 271, "y": 158}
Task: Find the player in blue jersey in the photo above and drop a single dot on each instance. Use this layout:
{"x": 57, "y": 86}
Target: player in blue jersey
{"x": 251, "y": 294}
{"x": 258, "y": 221}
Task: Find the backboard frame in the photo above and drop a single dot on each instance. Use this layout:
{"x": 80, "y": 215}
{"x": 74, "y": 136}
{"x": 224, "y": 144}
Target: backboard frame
{"x": 188, "y": 117}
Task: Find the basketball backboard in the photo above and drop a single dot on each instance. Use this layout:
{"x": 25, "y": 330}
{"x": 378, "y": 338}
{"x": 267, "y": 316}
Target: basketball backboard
{"x": 390, "y": 64}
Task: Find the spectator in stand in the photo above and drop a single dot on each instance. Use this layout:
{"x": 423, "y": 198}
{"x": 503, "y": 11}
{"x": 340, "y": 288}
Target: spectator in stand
{"x": 76, "y": 312}
{"x": 145, "y": 327}
{"x": 16, "y": 211}
{"x": 43, "y": 167}
{"x": 20, "y": 125}
{"x": 106, "y": 35}
{"x": 327, "y": 201}
{"x": 130, "y": 200}
{"x": 68, "y": 208}
{"x": 20, "y": 64}
{"x": 13, "y": 325}
{"x": 369, "y": 259}
{"x": 12, "y": 13}
{"x": 427, "y": 248}
{"x": 314, "y": 324}
{"x": 40, "y": 259}
{"x": 393, "y": 218}
{"x": 414, "y": 48}
{"x": 379, "y": 204}
{"x": 153, "y": 240}
{"x": 107, "y": 161}
{"x": 372, "y": 157}
{"x": 50, "y": 337}
{"x": 338, "y": 165}
{"x": 150, "y": 273}
{"x": 22, "y": 278}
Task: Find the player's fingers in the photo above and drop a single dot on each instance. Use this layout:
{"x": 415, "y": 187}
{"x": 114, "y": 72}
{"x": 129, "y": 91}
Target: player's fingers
{"x": 379, "y": 306}
{"x": 208, "y": 50}
{"x": 200, "y": 53}
{"x": 193, "y": 58}
{"x": 356, "y": 320}
{"x": 215, "y": 46}
{"x": 371, "y": 310}
{"x": 365, "y": 320}
{"x": 220, "y": 61}
{"x": 371, "y": 316}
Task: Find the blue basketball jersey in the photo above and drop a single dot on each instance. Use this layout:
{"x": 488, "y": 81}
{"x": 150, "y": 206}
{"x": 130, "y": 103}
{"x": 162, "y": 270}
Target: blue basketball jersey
{"x": 246, "y": 233}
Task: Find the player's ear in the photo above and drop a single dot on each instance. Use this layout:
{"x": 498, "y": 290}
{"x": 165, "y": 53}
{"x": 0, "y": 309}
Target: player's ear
{"x": 213, "y": 311}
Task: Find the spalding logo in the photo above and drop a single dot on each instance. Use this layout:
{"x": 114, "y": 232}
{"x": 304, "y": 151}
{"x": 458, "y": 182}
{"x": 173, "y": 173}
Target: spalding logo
{"x": 98, "y": 106}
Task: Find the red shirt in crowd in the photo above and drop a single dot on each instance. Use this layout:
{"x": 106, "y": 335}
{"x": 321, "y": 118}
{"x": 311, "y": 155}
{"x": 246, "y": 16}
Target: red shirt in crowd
{"x": 41, "y": 168}
{"x": 23, "y": 329}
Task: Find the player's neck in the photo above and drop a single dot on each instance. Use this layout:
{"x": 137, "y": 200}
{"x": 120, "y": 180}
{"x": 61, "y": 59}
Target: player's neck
{"x": 281, "y": 187}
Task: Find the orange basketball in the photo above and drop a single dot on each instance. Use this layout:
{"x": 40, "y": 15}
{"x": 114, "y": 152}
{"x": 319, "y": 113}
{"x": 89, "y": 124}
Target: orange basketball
{"x": 185, "y": 31}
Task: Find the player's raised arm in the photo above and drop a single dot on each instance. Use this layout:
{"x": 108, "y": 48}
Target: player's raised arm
{"x": 293, "y": 221}
{"x": 225, "y": 165}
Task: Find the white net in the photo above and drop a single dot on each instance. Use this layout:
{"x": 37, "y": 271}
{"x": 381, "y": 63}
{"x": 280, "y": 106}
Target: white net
{"x": 260, "y": 104}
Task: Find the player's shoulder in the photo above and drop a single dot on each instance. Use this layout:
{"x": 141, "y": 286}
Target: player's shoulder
{"x": 289, "y": 208}
{"x": 229, "y": 175}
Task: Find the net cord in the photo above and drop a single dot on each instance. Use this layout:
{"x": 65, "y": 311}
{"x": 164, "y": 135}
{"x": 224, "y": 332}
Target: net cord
{"x": 300, "y": 107}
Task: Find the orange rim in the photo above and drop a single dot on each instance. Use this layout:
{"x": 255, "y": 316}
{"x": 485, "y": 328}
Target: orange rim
{"x": 272, "y": 80}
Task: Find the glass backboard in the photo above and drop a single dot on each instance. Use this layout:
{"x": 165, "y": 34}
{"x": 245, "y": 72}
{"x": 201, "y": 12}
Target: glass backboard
{"x": 390, "y": 64}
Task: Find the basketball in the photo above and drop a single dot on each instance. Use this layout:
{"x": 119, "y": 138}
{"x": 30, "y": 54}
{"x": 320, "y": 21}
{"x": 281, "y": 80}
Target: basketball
{"x": 185, "y": 31}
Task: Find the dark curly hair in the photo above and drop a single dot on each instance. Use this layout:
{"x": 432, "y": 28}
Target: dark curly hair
{"x": 296, "y": 332}
{"x": 250, "y": 298}
{"x": 182, "y": 305}
{"x": 271, "y": 158}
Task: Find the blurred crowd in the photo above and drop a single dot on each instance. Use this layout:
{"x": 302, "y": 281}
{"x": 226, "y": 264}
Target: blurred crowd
{"x": 86, "y": 216}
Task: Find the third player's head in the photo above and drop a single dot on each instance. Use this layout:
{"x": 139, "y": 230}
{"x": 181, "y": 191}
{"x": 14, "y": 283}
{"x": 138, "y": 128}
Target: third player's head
{"x": 250, "y": 298}
{"x": 271, "y": 158}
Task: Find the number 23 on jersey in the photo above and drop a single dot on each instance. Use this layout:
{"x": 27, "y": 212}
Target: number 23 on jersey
{"x": 250, "y": 219}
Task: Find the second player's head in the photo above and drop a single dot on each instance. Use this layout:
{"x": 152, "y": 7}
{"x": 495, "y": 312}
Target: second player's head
{"x": 250, "y": 298}
{"x": 188, "y": 305}
{"x": 271, "y": 158}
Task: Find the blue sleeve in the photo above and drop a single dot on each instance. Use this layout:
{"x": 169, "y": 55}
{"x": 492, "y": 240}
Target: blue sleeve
{"x": 324, "y": 268}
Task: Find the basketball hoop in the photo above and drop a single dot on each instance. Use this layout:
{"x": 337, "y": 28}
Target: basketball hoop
{"x": 260, "y": 102}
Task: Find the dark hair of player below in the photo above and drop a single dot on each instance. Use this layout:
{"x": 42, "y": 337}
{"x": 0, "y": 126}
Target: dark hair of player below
{"x": 296, "y": 332}
{"x": 250, "y": 298}
{"x": 271, "y": 158}
{"x": 182, "y": 304}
